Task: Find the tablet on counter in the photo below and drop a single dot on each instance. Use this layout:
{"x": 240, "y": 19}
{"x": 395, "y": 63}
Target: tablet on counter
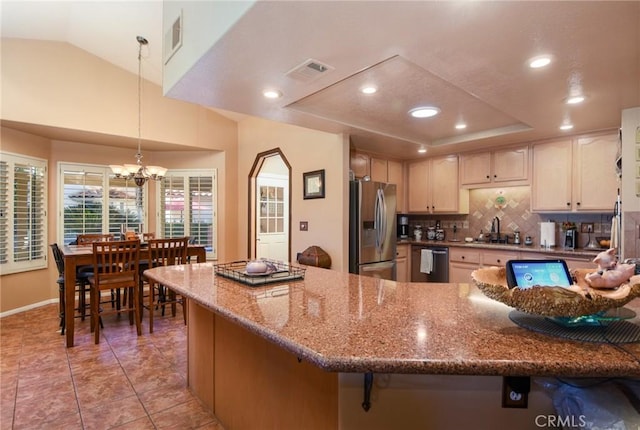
{"x": 527, "y": 273}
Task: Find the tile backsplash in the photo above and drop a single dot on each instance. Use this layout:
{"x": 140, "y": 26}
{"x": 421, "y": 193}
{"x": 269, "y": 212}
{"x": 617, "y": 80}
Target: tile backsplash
{"x": 512, "y": 205}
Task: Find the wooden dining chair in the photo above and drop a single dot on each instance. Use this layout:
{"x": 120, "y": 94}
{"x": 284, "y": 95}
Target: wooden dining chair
{"x": 165, "y": 252}
{"x": 115, "y": 266}
{"x": 82, "y": 280}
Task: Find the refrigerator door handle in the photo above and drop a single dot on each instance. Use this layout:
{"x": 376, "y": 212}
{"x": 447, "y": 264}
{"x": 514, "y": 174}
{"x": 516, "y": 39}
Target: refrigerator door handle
{"x": 380, "y": 220}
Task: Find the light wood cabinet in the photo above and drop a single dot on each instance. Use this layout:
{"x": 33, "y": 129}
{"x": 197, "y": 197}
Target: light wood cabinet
{"x": 379, "y": 170}
{"x": 433, "y": 186}
{"x": 574, "y": 175}
{"x": 395, "y": 175}
{"x": 360, "y": 164}
{"x": 501, "y": 167}
{"x": 461, "y": 263}
{"x": 403, "y": 263}
{"x": 498, "y": 257}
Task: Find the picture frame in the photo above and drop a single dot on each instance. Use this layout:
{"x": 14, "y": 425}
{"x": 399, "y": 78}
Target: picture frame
{"x": 313, "y": 184}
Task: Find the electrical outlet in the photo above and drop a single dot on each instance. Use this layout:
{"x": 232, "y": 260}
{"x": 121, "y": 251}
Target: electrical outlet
{"x": 304, "y": 225}
{"x": 515, "y": 391}
{"x": 586, "y": 227}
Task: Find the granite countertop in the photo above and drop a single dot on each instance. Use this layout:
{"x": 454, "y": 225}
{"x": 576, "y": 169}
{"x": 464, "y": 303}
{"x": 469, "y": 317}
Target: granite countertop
{"x": 348, "y": 323}
{"x": 578, "y": 252}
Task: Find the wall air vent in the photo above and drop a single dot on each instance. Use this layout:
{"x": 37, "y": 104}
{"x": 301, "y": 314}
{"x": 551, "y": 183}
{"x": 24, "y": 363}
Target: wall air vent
{"x": 173, "y": 38}
{"x": 309, "y": 70}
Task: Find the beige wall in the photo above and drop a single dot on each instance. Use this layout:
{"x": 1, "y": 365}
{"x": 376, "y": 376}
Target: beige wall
{"x": 55, "y": 85}
{"x": 306, "y": 150}
{"x": 23, "y": 289}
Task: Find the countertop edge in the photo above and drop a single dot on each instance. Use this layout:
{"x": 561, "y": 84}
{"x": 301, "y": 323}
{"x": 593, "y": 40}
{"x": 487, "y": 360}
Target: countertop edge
{"x": 400, "y": 366}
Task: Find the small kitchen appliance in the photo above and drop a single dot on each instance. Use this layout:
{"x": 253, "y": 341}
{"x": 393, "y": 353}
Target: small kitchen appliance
{"x": 403, "y": 227}
{"x": 570, "y": 239}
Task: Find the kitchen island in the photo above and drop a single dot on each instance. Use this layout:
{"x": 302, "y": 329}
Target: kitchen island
{"x": 281, "y": 355}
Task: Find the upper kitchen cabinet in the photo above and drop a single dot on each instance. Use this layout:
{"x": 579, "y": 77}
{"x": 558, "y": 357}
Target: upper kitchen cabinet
{"x": 434, "y": 187}
{"x": 360, "y": 164}
{"x": 502, "y": 167}
{"x": 381, "y": 170}
{"x": 575, "y": 175}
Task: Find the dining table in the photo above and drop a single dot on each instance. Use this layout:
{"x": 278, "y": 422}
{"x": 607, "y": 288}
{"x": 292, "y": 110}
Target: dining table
{"x": 80, "y": 255}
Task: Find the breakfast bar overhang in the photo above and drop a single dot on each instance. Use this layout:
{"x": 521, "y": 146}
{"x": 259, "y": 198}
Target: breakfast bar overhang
{"x": 279, "y": 350}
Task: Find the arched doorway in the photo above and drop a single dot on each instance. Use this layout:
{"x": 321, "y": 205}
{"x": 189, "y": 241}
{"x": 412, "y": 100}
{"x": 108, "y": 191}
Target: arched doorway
{"x": 270, "y": 207}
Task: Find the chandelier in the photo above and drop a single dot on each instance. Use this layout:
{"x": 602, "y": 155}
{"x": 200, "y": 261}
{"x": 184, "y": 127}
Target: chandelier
{"x": 137, "y": 172}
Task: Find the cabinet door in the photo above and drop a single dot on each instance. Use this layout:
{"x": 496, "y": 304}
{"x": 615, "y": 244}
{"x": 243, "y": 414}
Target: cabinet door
{"x": 511, "y": 165}
{"x": 360, "y": 165}
{"x": 379, "y": 170}
{"x": 396, "y": 176}
{"x": 595, "y": 179}
{"x": 445, "y": 192}
{"x": 551, "y": 184}
{"x": 461, "y": 272}
{"x": 475, "y": 168}
{"x": 497, "y": 258}
{"x": 419, "y": 198}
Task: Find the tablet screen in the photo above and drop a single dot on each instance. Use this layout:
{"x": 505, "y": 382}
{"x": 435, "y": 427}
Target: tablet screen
{"x": 527, "y": 273}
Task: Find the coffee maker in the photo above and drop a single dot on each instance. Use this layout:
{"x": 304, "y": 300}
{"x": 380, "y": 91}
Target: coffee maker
{"x": 403, "y": 227}
{"x": 570, "y": 239}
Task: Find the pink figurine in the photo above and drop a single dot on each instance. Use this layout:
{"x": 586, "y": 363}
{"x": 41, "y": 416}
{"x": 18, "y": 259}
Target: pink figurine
{"x": 610, "y": 274}
{"x": 606, "y": 260}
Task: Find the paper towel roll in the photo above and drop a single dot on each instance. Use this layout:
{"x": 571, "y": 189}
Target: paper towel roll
{"x": 548, "y": 234}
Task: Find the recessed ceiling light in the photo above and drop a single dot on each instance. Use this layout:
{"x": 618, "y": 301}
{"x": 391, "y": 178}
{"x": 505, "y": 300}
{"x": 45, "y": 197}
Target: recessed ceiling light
{"x": 424, "y": 112}
{"x": 539, "y": 61}
{"x": 461, "y": 126}
{"x": 566, "y": 126}
{"x": 369, "y": 89}
{"x": 272, "y": 94}
{"x": 574, "y": 100}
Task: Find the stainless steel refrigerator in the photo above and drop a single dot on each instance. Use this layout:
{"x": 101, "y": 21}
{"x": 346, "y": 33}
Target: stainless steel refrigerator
{"x": 372, "y": 229}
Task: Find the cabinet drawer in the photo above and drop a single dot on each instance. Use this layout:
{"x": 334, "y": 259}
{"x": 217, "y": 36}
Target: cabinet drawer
{"x": 464, "y": 255}
{"x": 497, "y": 258}
{"x": 402, "y": 251}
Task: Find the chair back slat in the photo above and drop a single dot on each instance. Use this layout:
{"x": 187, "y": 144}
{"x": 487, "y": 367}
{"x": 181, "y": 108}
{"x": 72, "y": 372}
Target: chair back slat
{"x": 116, "y": 261}
{"x": 84, "y": 239}
{"x": 168, "y": 252}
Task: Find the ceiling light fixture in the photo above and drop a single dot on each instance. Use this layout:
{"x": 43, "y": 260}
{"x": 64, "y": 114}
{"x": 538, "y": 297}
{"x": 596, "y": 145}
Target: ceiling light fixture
{"x": 369, "y": 89}
{"x": 461, "y": 126}
{"x": 422, "y": 150}
{"x": 566, "y": 126}
{"x": 539, "y": 61}
{"x": 139, "y": 173}
{"x": 574, "y": 100}
{"x": 424, "y": 112}
{"x": 272, "y": 94}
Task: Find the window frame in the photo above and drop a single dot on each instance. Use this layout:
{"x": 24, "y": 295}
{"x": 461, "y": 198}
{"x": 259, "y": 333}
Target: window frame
{"x": 40, "y": 250}
{"x": 107, "y": 175}
{"x": 186, "y": 174}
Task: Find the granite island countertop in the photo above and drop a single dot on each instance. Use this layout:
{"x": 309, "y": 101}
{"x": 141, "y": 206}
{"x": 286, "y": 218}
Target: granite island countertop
{"x": 348, "y": 323}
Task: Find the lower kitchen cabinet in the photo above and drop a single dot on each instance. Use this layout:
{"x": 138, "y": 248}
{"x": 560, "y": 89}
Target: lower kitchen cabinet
{"x": 463, "y": 261}
{"x": 403, "y": 263}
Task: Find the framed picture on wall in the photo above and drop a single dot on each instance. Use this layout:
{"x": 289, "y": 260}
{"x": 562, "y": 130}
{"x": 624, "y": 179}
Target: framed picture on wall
{"x": 313, "y": 184}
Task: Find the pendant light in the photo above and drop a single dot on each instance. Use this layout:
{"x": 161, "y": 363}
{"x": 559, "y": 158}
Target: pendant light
{"x": 137, "y": 172}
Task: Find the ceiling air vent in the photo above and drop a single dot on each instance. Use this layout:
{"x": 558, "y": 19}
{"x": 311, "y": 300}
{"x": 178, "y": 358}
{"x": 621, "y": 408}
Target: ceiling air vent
{"x": 309, "y": 70}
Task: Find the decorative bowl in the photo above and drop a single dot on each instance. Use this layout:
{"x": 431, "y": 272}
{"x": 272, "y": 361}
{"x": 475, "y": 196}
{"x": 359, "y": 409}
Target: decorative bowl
{"x": 552, "y": 301}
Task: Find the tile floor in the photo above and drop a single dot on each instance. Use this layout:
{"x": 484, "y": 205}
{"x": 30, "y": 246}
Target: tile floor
{"x": 125, "y": 382}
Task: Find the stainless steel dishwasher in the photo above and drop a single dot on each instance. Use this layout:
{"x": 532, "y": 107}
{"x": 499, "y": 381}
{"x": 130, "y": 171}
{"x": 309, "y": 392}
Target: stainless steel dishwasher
{"x": 439, "y": 268}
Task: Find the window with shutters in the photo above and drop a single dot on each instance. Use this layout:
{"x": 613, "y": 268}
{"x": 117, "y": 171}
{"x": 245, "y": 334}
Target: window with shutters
{"x": 95, "y": 201}
{"x": 23, "y": 210}
{"x": 187, "y": 207}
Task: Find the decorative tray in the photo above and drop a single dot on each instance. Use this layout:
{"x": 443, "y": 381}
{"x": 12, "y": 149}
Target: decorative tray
{"x": 551, "y": 301}
{"x": 277, "y": 271}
